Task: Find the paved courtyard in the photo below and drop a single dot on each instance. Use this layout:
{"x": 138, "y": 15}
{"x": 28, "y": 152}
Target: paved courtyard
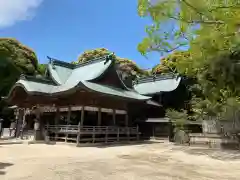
{"x": 161, "y": 161}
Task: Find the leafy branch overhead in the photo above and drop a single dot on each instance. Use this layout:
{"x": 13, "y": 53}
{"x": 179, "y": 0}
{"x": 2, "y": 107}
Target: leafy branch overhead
{"x": 210, "y": 32}
{"x": 178, "y": 23}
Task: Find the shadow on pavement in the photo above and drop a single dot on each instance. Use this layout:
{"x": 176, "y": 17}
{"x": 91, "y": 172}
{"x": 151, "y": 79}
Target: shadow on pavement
{"x": 3, "y": 166}
{"x": 219, "y": 154}
{"x": 126, "y": 144}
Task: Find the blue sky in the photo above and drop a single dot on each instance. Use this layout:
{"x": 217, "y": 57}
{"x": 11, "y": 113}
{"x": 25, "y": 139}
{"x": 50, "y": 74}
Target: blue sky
{"x": 65, "y": 28}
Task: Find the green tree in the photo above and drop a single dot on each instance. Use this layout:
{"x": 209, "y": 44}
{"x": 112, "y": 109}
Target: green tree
{"x": 177, "y": 117}
{"x": 41, "y": 69}
{"x": 211, "y": 30}
{"x": 177, "y": 62}
{"x": 209, "y": 26}
{"x": 15, "y": 59}
{"x": 125, "y": 64}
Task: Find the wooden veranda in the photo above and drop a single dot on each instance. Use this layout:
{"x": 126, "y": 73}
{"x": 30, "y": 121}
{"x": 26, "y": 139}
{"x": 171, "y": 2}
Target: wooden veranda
{"x": 92, "y": 134}
{"x": 113, "y": 124}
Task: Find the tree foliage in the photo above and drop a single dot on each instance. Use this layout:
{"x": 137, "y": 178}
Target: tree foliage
{"x": 41, "y": 69}
{"x": 177, "y": 117}
{"x": 15, "y": 59}
{"x": 125, "y": 64}
{"x": 92, "y": 54}
{"x": 23, "y": 57}
{"x": 173, "y": 63}
{"x": 178, "y": 23}
{"x": 210, "y": 31}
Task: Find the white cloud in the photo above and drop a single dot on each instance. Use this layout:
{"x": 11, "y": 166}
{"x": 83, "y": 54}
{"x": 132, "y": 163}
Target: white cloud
{"x": 12, "y": 11}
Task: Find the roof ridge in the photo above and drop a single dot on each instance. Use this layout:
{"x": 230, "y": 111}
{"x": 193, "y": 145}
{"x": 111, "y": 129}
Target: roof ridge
{"x": 54, "y": 61}
{"x": 37, "y": 79}
{"x": 153, "y": 78}
{"x": 92, "y": 61}
{"x": 95, "y": 60}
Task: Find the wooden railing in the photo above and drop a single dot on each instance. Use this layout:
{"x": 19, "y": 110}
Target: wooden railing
{"x": 89, "y": 129}
{"x": 62, "y": 128}
{"x": 97, "y": 133}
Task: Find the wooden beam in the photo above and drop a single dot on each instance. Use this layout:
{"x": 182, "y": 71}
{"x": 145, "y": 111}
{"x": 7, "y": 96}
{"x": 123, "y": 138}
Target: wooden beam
{"x": 99, "y": 117}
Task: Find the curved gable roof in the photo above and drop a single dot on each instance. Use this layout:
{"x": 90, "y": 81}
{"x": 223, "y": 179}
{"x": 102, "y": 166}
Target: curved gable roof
{"x": 155, "y": 84}
{"x": 81, "y": 76}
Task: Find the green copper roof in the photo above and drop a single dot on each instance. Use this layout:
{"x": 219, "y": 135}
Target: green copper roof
{"x": 59, "y": 73}
{"x": 114, "y": 91}
{"x": 66, "y": 76}
{"x": 156, "y": 84}
{"x": 85, "y": 72}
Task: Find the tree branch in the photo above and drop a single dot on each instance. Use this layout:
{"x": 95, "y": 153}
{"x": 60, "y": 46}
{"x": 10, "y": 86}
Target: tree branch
{"x": 194, "y": 8}
{"x": 225, "y": 7}
{"x": 158, "y": 48}
{"x": 194, "y": 21}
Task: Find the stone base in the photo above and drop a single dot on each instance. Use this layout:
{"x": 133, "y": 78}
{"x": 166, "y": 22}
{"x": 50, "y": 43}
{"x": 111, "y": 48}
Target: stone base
{"x": 214, "y": 141}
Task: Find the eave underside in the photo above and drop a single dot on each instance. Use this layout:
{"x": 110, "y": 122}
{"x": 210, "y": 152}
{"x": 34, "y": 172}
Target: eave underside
{"x": 78, "y": 97}
{"x": 27, "y": 89}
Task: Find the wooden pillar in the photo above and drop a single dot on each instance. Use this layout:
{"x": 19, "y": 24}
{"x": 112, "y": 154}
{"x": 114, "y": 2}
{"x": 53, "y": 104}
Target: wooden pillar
{"x": 68, "y": 121}
{"x": 126, "y": 119}
{"x": 82, "y": 116}
{"x": 153, "y": 131}
{"x": 16, "y": 113}
{"x": 126, "y": 124}
{"x": 99, "y": 117}
{"x": 37, "y": 125}
{"x": 80, "y": 125}
{"x": 56, "y": 122}
{"x": 114, "y": 117}
{"x": 93, "y": 135}
{"x": 23, "y": 125}
{"x": 106, "y": 135}
{"x": 19, "y": 121}
{"x": 57, "y": 116}
{"x": 118, "y": 134}
{"x": 137, "y": 133}
{"x": 69, "y": 114}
